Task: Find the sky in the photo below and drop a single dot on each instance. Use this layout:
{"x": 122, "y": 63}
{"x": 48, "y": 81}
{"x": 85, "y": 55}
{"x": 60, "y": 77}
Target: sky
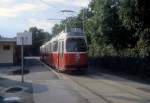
{"x": 19, "y": 15}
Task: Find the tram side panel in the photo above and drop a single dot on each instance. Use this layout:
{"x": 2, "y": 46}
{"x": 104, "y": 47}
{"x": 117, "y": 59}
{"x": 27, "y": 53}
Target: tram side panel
{"x": 54, "y": 60}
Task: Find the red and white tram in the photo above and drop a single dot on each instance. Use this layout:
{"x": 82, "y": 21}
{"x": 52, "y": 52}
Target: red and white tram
{"x": 66, "y": 51}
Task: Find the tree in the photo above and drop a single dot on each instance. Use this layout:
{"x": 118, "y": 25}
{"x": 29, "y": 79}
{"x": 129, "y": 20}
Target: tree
{"x": 112, "y": 28}
{"x": 135, "y": 15}
{"x": 39, "y": 37}
{"x": 104, "y": 27}
{"x": 57, "y": 29}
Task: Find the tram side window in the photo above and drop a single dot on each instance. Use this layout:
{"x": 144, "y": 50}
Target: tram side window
{"x": 55, "y": 46}
{"x": 45, "y": 50}
{"x": 50, "y": 47}
{"x": 62, "y": 47}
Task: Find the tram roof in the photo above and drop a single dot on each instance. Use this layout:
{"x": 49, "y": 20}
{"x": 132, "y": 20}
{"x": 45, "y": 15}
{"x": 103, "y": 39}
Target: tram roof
{"x": 73, "y": 32}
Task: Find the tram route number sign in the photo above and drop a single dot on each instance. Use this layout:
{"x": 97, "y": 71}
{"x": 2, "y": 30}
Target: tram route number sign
{"x": 24, "y": 38}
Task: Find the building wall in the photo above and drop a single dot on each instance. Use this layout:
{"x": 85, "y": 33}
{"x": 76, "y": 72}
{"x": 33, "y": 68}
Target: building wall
{"x": 6, "y": 54}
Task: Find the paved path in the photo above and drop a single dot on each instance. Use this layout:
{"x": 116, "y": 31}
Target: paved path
{"x": 93, "y": 87}
{"x": 8, "y": 80}
{"x": 49, "y": 87}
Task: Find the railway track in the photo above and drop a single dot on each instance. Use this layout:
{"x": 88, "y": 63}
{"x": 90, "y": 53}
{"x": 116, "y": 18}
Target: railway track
{"x": 143, "y": 96}
{"x": 93, "y": 92}
{"x": 87, "y": 88}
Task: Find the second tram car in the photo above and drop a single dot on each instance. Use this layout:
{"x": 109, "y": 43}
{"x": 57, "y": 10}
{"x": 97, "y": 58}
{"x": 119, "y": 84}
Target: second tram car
{"x": 67, "y": 51}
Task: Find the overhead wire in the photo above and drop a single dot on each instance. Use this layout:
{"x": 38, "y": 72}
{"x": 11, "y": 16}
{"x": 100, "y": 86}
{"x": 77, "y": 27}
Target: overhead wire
{"x": 48, "y": 4}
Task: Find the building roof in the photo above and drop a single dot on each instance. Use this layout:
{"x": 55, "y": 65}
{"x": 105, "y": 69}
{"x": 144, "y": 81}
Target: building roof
{"x": 8, "y": 39}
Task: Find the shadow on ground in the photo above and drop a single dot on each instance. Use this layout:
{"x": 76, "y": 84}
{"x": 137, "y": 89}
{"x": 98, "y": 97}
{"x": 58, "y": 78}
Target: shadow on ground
{"x": 8, "y": 83}
{"x": 136, "y": 69}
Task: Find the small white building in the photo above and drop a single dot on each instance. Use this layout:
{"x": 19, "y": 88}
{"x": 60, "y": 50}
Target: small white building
{"x": 7, "y": 50}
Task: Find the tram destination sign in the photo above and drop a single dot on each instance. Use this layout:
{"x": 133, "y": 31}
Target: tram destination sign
{"x": 24, "y": 38}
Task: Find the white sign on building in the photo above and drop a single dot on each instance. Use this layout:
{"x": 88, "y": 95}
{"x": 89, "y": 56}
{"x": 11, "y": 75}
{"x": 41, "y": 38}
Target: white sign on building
{"x": 24, "y": 38}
